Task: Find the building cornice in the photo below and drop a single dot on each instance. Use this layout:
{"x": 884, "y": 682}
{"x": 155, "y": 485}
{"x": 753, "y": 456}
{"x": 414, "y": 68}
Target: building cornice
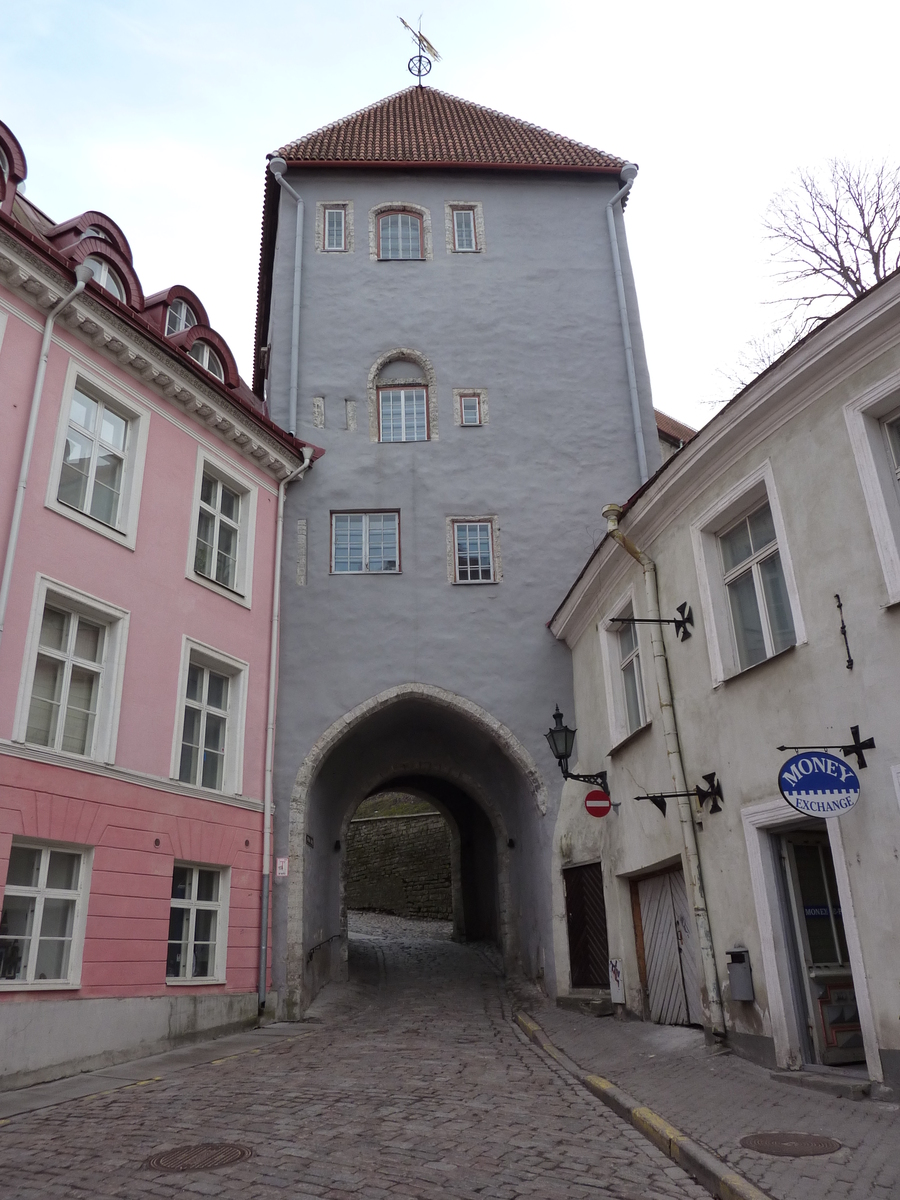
{"x": 833, "y": 353}
{"x": 42, "y": 286}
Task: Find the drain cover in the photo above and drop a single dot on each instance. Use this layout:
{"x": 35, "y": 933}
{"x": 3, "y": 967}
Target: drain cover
{"x": 793, "y": 1145}
{"x": 204, "y": 1157}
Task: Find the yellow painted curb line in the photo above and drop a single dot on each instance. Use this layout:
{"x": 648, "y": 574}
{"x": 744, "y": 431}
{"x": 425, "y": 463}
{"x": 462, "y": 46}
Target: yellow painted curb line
{"x": 705, "y": 1166}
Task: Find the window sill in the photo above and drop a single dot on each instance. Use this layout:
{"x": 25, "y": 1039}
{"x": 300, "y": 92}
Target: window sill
{"x": 195, "y": 982}
{"x": 226, "y": 593}
{"x": 200, "y": 790}
{"x": 40, "y": 985}
{"x": 629, "y": 738}
{"x": 122, "y": 537}
{"x": 475, "y": 582}
{"x": 361, "y": 574}
{"x": 756, "y": 666}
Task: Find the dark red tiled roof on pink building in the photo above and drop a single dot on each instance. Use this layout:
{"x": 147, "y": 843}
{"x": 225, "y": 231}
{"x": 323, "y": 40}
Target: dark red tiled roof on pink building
{"x": 422, "y": 126}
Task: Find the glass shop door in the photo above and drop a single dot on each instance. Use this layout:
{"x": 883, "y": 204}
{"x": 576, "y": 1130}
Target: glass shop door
{"x": 829, "y": 998}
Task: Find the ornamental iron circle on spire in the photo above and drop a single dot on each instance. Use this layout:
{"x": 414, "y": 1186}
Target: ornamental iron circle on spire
{"x": 419, "y": 65}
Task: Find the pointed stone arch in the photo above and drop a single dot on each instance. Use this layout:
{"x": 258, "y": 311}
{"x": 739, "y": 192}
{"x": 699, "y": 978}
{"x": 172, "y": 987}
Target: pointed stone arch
{"x": 403, "y": 354}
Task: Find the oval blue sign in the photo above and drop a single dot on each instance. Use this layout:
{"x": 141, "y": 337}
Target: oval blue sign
{"x": 819, "y": 784}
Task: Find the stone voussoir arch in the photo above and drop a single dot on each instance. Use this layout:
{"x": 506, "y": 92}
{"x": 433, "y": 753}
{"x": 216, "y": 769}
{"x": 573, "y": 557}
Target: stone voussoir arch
{"x": 496, "y": 730}
{"x": 403, "y": 354}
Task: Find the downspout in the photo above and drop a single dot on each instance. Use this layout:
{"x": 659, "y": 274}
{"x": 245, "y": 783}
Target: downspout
{"x": 627, "y": 175}
{"x": 278, "y": 167}
{"x": 270, "y": 728}
{"x": 612, "y": 513}
{"x": 82, "y": 275}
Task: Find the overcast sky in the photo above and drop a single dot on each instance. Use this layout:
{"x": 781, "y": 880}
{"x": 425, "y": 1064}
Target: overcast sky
{"x": 161, "y": 114}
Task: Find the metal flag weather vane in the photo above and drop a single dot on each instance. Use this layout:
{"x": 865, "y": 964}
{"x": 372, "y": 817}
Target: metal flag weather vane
{"x": 420, "y": 64}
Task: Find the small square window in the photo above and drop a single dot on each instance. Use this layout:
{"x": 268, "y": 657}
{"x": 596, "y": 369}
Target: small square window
{"x": 470, "y": 410}
{"x": 42, "y": 921}
{"x": 335, "y": 237}
{"x": 473, "y": 551}
{"x": 365, "y": 543}
{"x": 196, "y": 944}
{"x": 464, "y": 229}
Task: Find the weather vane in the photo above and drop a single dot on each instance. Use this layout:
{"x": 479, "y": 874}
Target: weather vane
{"x": 420, "y": 64}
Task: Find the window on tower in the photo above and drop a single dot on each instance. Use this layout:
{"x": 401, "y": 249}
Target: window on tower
{"x": 400, "y": 236}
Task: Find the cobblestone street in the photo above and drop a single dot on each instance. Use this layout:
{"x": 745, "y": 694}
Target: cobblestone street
{"x": 411, "y": 1081}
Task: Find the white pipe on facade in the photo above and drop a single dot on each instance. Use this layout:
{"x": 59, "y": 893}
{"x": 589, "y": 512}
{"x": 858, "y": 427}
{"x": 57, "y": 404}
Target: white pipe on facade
{"x": 82, "y": 275}
{"x": 612, "y": 513}
{"x": 627, "y": 175}
{"x": 278, "y": 167}
{"x": 270, "y": 726}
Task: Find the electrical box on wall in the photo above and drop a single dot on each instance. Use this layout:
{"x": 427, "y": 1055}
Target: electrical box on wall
{"x": 740, "y": 977}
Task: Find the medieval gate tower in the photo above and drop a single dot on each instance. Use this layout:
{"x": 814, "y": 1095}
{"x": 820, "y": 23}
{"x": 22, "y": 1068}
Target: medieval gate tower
{"x": 447, "y": 306}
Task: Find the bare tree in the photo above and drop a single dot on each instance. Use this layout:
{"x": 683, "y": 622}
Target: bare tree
{"x": 835, "y": 234}
{"x": 760, "y": 352}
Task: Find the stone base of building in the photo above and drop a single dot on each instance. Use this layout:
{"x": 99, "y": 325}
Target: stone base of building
{"x": 51, "y": 1039}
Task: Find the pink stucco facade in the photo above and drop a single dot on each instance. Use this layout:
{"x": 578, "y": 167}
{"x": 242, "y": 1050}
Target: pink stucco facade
{"x": 118, "y": 802}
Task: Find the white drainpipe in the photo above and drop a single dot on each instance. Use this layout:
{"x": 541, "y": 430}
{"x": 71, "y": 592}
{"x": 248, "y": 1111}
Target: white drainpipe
{"x": 278, "y": 167}
{"x": 612, "y": 513}
{"x": 627, "y": 175}
{"x": 82, "y": 274}
{"x": 270, "y": 727}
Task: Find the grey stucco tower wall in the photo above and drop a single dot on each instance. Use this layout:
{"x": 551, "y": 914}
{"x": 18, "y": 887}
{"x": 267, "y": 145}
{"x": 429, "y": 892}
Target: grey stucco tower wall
{"x": 411, "y": 678}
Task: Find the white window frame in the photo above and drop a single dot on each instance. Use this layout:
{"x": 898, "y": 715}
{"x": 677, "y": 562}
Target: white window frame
{"x": 403, "y": 389}
{"x": 221, "y": 907}
{"x": 106, "y": 273}
{"x": 109, "y": 699}
{"x": 182, "y": 315}
{"x": 242, "y": 593}
{"x": 323, "y": 206}
{"x": 461, "y": 394}
{"x": 453, "y": 562}
{"x": 470, "y": 213}
{"x": 366, "y": 514}
{"x": 393, "y": 206}
{"x": 866, "y": 417}
{"x": 741, "y": 499}
{"x": 329, "y": 209}
{"x": 208, "y": 353}
{"x": 451, "y": 207}
{"x": 614, "y": 685}
{"x": 79, "y": 925}
{"x": 124, "y": 532}
{"x": 238, "y": 673}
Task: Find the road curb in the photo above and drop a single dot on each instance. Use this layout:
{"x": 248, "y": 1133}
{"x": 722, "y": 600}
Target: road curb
{"x": 707, "y": 1168}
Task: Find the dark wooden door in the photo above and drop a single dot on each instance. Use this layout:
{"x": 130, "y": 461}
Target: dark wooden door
{"x": 586, "y": 917}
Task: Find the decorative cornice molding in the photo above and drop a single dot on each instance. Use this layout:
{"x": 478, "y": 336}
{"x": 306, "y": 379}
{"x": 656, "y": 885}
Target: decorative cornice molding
{"x": 25, "y": 273}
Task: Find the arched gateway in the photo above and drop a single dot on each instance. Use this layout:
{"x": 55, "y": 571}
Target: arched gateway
{"x": 433, "y": 743}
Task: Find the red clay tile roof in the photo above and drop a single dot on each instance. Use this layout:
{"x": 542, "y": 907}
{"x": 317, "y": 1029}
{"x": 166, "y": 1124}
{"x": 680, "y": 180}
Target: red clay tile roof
{"x": 672, "y": 430}
{"x": 426, "y": 127}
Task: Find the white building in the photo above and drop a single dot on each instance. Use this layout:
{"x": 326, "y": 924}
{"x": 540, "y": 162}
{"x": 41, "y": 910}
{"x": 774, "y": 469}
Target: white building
{"x": 785, "y": 501}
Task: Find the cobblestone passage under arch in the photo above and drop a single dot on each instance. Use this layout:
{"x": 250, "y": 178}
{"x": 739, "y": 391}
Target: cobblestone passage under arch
{"x": 408, "y": 1082}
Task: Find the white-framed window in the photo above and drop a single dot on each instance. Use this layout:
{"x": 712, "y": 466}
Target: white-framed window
{"x": 334, "y": 234}
{"x": 403, "y": 414}
{"x": 473, "y": 551}
{"x": 760, "y": 610}
{"x": 203, "y": 353}
{"x": 198, "y": 924}
{"x": 748, "y": 591}
{"x": 72, "y": 677}
{"x": 873, "y": 423}
{"x": 104, "y": 274}
{"x": 221, "y": 551}
{"x": 400, "y": 236}
{"x": 470, "y": 409}
{"x": 180, "y": 316}
{"x": 630, "y": 667}
{"x": 464, "y": 229}
{"x": 98, "y": 457}
{"x": 43, "y": 916}
{"x": 208, "y": 748}
{"x": 365, "y": 543}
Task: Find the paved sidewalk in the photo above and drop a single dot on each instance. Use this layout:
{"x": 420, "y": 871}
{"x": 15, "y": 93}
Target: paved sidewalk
{"x": 410, "y": 1083}
{"x": 718, "y": 1098}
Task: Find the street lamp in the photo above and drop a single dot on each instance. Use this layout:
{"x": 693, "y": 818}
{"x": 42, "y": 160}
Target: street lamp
{"x": 562, "y": 741}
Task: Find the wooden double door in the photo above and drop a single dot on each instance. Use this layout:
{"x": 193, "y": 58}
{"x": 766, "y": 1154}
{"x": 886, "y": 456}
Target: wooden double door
{"x": 667, "y": 948}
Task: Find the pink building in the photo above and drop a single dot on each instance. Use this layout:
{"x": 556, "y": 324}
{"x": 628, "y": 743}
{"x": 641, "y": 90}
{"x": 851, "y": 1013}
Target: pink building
{"x": 141, "y": 493}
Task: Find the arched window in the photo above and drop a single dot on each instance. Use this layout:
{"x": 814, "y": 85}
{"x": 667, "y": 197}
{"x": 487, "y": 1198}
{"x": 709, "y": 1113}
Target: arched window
{"x": 4, "y": 166}
{"x": 179, "y": 317}
{"x": 400, "y": 235}
{"x": 105, "y": 276}
{"x": 203, "y": 353}
{"x": 95, "y": 232}
{"x": 402, "y": 403}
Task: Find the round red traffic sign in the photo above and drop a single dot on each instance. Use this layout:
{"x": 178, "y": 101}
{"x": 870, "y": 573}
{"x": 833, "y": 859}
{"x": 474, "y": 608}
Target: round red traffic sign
{"x": 597, "y": 803}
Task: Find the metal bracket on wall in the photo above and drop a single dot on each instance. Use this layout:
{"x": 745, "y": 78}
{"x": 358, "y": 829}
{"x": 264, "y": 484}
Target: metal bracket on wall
{"x": 840, "y": 608}
{"x": 856, "y": 747}
{"x": 681, "y": 622}
{"x": 713, "y": 792}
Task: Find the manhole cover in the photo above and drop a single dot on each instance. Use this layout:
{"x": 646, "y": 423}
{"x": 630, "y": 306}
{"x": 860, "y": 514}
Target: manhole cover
{"x": 793, "y": 1145}
{"x": 204, "y": 1157}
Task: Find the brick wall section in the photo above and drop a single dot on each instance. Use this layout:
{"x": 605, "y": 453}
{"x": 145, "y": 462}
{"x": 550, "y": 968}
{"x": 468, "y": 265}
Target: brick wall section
{"x": 400, "y": 865}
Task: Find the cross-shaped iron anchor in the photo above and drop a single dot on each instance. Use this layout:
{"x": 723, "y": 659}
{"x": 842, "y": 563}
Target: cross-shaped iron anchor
{"x": 857, "y": 747}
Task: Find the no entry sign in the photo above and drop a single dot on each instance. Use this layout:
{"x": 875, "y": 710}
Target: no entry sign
{"x": 597, "y": 803}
